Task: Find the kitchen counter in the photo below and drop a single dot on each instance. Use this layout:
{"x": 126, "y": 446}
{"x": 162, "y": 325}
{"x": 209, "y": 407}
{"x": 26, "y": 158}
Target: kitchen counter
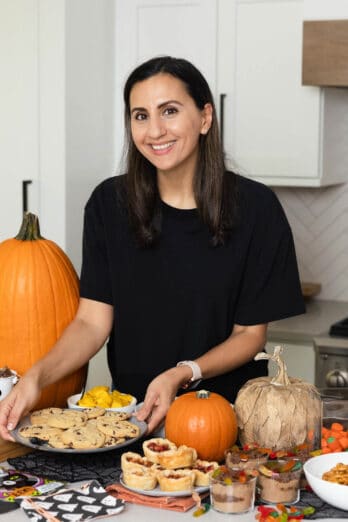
{"x": 133, "y": 512}
{"x": 319, "y": 316}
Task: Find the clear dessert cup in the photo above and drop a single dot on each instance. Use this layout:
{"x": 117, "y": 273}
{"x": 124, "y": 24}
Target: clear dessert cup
{"x": 279, "y": 481}
{"x": 232, "y": 491}
{"x": 248, "y": 457}
{"x": 301, "y": 452}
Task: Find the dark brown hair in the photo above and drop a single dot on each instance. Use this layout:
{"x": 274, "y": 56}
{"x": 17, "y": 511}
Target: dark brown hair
{"x": 210, "y": 188}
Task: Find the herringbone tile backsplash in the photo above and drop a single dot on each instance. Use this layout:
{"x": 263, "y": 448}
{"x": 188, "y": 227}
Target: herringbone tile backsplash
{"x": 319, "y": 222}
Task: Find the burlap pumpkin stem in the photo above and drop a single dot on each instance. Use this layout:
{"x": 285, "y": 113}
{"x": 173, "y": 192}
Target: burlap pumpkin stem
{"x": 279, "y": 412}
{"x": 281, "y": 378}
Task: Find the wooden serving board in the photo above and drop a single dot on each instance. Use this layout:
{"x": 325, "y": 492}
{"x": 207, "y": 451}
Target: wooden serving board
{"x": 12, "y": 449}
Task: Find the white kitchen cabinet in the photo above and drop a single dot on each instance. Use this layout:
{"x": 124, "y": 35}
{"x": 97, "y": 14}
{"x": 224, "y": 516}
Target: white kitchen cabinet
{"x": 56, "y": 126}
{"x": 283, "y": 133}
{"x": 18, "y": 109}
{"x": 162, "y": 27}
{"x": 299, "y": 359}
{"x": 324, "y": 10}
{"x": 275, "y": 130}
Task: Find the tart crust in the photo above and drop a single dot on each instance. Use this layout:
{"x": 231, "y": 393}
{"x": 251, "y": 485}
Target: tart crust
{"x": 176, "y": 480}
{"x": 203, "y": 470}
{"x": 131, "y": 461}
{"x": 157, "y": 446}
{"x": 183, "y": 457}
{"x": 140, "y": 478}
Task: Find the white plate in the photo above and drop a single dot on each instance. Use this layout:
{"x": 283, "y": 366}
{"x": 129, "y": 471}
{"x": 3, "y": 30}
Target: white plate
{"x": 46, "y": 447}
{"x": 157, "y": 492}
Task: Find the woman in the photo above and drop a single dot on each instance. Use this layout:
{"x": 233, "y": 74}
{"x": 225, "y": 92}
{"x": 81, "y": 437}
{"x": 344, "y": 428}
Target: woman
{"x": 184, "y": 264}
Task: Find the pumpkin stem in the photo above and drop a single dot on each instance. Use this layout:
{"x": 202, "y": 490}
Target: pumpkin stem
{"x": 30, "y": 228}
{"x": 281, "y": 379}
{"x": 202, "y": 394}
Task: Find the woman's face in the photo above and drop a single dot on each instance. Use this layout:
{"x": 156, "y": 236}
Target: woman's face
{"x": 166, "y": 123}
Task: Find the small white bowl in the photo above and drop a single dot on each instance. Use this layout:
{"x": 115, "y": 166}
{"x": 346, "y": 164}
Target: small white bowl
{"x": 334, "y": 494}
{"x": 72, "y": 403}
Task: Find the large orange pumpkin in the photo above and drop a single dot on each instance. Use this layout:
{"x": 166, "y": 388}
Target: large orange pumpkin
{"x": 39, "y": 293}
{"x": 203, "y": 420}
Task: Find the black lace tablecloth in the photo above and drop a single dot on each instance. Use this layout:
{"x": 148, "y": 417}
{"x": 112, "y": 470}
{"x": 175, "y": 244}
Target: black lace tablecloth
{"x": 105, "y": 467}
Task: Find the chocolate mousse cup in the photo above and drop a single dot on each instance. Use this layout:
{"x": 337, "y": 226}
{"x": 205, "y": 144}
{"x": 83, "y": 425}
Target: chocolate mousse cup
{"x": 279, "y": 481}
{"x": 232, "y": 491}
{"x": 302, "y": 452}
{"x": 245, "y": 459}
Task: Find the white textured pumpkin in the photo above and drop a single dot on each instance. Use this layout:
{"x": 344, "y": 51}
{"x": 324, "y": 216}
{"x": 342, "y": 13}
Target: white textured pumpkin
{"x": 279, "y": 412}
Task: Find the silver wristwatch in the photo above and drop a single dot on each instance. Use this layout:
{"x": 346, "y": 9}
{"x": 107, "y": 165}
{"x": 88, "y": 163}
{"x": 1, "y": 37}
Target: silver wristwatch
{"x": 196, "y": 373}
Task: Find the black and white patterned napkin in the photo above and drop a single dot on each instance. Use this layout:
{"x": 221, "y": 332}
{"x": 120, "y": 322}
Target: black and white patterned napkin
{"x": 88, "y": 502}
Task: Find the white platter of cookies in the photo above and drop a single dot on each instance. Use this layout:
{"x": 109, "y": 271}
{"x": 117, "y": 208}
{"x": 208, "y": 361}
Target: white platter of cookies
{"x": 165, "y": 469}
{"x": 66, "y": 430}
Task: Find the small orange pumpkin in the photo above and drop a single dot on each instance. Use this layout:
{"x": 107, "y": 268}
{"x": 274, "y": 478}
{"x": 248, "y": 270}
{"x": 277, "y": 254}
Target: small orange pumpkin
{"x": 39, "y": 294}
{"x": 203, "y": 420}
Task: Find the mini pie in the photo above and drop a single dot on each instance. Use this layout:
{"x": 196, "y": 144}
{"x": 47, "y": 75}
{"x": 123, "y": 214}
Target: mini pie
{"x": 157, "y": 446}
{"x": 131, "y": 461}
{"x": 140, "y": 478}
{"x": 203, "y": 470}
{"x": 176, "y": 480}
{"x": 182, "y": 457}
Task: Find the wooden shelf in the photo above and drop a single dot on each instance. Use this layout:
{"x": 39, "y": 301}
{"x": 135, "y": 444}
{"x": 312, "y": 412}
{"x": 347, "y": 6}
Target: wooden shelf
{"x": 325, "y": 53}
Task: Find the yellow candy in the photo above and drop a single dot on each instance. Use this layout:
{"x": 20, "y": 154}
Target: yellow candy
{"x": 97, "y": 389}
{"x": 116, "y": 404}
{"x": 102, "y": 396}
{"x": 86, "y": 402}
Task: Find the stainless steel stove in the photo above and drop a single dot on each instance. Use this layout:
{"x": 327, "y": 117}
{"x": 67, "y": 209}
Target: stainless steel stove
{"x": 331, "y": 361}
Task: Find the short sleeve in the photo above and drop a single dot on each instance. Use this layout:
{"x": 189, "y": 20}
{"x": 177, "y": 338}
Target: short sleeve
{"x": 95, "y": 280}
{"x": 270, "y": 288}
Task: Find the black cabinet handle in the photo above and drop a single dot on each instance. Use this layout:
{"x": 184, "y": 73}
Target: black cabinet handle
{"x": 25, "y": 184}
{"x": 222, "y": 110}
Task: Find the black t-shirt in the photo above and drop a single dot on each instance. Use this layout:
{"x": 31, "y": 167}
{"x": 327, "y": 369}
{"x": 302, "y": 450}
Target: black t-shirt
{"x": 180, "y": 298}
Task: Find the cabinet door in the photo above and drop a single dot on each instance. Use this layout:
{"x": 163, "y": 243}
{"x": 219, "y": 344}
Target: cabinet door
{"x": 299, "y": 360}
{"x": 19, "y": 111}
{"x": 147, "y": 28}
{"x": 275, "y": 121}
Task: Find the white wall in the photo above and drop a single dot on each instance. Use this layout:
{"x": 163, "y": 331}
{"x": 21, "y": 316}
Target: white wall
{"x": 89, "y": 108}
{"x": 319, "y": 221}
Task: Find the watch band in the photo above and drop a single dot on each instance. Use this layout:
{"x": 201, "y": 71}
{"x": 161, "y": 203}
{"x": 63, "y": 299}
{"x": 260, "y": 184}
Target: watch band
{"x": 196, "y": 372}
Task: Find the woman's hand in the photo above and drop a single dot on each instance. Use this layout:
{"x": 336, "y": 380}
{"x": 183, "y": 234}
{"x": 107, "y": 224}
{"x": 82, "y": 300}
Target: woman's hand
{"x": 160, "y": 394}
{"x": 22, "y": 398}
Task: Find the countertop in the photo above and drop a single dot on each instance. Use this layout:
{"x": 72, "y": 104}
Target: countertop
{"x": 319, "y": 316}
{"x": 133, "y": 512}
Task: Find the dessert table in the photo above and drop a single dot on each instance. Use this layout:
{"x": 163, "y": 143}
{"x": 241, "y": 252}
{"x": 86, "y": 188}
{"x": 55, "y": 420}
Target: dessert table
{"x": 134, "y": 512}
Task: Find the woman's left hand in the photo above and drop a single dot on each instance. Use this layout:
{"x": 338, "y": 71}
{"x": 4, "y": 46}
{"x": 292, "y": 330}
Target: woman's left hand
{"x": 159, "y": 395}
